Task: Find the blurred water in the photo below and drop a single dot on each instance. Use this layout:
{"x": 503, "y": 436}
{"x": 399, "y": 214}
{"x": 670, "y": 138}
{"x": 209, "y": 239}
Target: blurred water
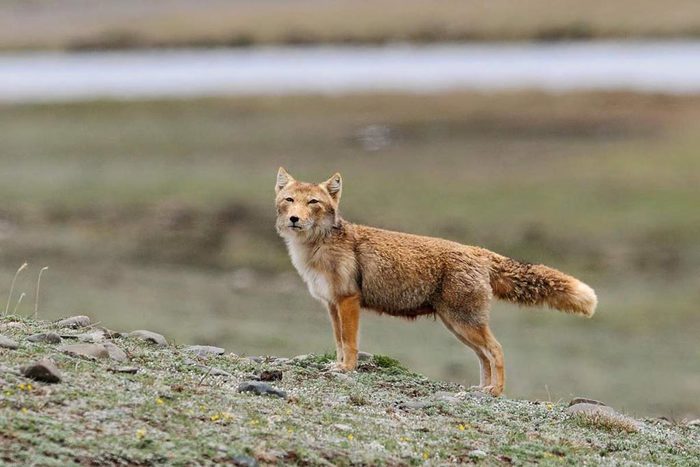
{"x": 672, "y": 67}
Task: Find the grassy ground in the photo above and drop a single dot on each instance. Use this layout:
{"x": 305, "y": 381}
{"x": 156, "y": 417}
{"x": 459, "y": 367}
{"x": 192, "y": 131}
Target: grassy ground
{"x": 174, "y": 410}
{"x": 159, "y": 214}
{"x": 157, "y": 23}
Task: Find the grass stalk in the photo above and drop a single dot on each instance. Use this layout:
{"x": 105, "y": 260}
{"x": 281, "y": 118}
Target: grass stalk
{"x": 12, "y": 286}
{"x": 38, "y": 286}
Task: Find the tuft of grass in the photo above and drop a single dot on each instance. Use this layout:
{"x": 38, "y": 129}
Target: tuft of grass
{"x": 388, "y": 363}
{"x": 605, "y": 421}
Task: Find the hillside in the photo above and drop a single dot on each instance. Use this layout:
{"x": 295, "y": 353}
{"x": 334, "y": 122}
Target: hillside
{"x": 140, "y": 400}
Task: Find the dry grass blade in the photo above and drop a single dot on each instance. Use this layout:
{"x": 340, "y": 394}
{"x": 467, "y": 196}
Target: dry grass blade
{"x": 38, "y": 286}
{"x": 12, "y": 286}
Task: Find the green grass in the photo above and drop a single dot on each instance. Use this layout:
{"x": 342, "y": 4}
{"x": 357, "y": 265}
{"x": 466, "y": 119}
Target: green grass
{"x": 171, "y": 412}
{"x": 159, "y": 214}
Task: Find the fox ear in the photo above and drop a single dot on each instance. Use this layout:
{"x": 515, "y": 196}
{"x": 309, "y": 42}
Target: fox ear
{"x": 334, "y": 186}
{"x": 283, "y": 179}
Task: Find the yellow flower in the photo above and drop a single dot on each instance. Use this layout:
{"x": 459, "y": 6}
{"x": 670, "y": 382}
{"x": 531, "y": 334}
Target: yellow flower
{"x": 461, "y": 427}
{"x": 23, "y": 410}
{"x": 549, "y": 406}
{"x": 159, "y": 401}
{"x": 215, "y": 417}
{"x": 140, "y": 433}
{"x": 350, "y": 437}
{"x": 426, "y": 455}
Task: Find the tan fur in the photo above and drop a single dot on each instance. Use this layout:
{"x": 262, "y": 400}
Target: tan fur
{"x": 349, "y": 266}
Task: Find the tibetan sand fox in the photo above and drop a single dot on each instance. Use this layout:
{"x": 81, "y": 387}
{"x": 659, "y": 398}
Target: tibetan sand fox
{"x": 349, "y": 266}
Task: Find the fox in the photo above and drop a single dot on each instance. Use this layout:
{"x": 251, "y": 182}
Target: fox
{"x": 349, "y": 267}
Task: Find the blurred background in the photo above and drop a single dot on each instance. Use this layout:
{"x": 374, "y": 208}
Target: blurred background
{"x": 139, "y": 143}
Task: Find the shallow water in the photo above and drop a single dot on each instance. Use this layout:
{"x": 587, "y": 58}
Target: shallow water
{"x": 669, "y": 67}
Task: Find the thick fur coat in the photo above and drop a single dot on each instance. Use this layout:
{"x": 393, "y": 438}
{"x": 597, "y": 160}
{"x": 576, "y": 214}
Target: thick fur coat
{"x": 349, "y": 266}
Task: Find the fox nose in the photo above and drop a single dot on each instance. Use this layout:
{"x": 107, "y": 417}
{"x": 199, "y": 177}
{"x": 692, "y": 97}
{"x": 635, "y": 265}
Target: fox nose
{"x": 294, "y": 219}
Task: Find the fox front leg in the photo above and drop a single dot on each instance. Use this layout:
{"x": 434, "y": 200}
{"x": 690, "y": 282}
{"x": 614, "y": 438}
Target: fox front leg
{"x": 349, "y": 314}
{"x": 337, "y": 336}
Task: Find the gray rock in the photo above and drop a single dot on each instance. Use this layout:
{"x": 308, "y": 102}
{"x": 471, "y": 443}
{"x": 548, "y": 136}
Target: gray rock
{"x": 45, "y": 337}
{"x": 74, "y": 322}
{"x": 257, "y": 387}
{"x": 280, "y": 361}
{"x": 214, "y": 371}
{"x": 584, "y": 400}
{"x": 149, "y": 336}
{"x": 476, "y": 454}
{"x": 7, "y": 343}
{"x": 85, "y": 350}
{"x": 590, "y": 409}
{"x": 204, "y": 350}
{"x": 415, "y": 405}
{"x": 695, "y": 423}
{"x": 448, "y": 397}
{"x": 115, "y": 353}
{"x": 244, "y": 461}
{"x": 364, "y": 356}
{"x": 94, "y": 336}
{"x": 124, "y": 369}
{"x": 44, "y": 370}
{"x": 255, "y": 359}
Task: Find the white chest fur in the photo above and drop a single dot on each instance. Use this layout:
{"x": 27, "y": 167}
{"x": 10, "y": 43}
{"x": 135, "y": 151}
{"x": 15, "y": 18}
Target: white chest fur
{"x": 310, "y": 265}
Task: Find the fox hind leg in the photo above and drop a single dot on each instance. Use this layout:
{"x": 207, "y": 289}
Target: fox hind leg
{"x": 480, "y": 338}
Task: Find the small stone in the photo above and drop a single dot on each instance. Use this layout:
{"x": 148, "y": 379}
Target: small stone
{"x": 584, "y": 400}
{"x": 280, "y": 361}
{"x": 476, "y": 454}
{"x": 115, "y": 353}
{"x": 590, "y": 409}
{"x": 695, "y": 423}
{"x": 448, "y": 397}
{"x": 300, "y": 358}
{"x": 270, "y": 375}
{"x": 85, "y": 350}
{"x": 74, "y": 322}
{"x": 364, "y": 356}
{"x": 260, "y": 388}
{"x": 244, "y": 461}
{"x": 219, "y": 372}
{"x": 255, "y": 359}
{"x": 45, "y": 337}
{"x": 149, "y": 336}
{"x": 44, "y": 370}
{"x": 414, "y": 405}
{"x": 124, "y": 369}
{"x": 342, "y": 427}
{"x": 7, "y": 343}
{"x": 95, "y": 336}
{"x": 342, "y": 377}
{"x": 204, "y": 350}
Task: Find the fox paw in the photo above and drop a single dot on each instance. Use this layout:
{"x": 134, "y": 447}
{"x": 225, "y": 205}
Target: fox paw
{"x": 491, "y": 390}
{"x": 337, "y": 367}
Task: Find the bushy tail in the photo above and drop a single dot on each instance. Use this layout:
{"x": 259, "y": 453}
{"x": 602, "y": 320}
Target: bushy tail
{"x": 535, "y": 284}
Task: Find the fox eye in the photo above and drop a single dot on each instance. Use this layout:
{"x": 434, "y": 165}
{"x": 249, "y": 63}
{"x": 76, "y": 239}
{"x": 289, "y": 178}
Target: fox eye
{"x": 291, "y": 200}
{"x": 313, "y": 201}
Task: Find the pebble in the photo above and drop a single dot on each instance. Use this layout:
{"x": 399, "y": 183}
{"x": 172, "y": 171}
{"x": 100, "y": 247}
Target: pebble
{"x": 95, "y": 336}
{"x": 45, "y": 337}
{"x": 260, "y": 388}
{"x": 115, "y": 353}
{"x": 204, "y": 350}
{"x": 74, "y": 322}
{"x": 44, "y": 370}
{"x": 85, "y": 350}
{"x": 270, "y": 375}
{"x": 149, "y": 336}
{"x": 448, "y": 397}
{"x": 695, "y": 423}
{"x": 124, "y": 369}
{"x": 7, "y": 343}
{"x": 244, "y": 461}
{"x": 590, "y": 409}
{"x": 476, "y": 454}
{"x": 584, "y": 400}
{"x": 364, "y": 356}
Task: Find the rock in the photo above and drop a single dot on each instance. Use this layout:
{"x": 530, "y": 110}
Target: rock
{"x": 448, "y": 397}
{"x": 124, "y": 369}
{"x": 149, "y": 336}
{"x": 255, "y": 359}
{"x": 301, "y": 358}
{"x": 115, "y": 353}
{"x": 7, "y": 343}
{"x": 280, "y": 361}
{"x": 85, "y": 350}
{"x": 204, "y": 350}
{"x": 476, "y": 454}
{"x": 414, "y": 405}
{"x": 342, "y": 427}
{"x": 583, "y": 400}
{"x": 364, "y": 356}
{"x": 244, "y": 461}
{"x": 44, "y": 370}
{"x": 270, "y": 375}
{"x": 260, "y": 388}
{"x": 590, "y": 409}
{"x": 74, "y": 322}
{"x": 214, "y": 371}
{"x": 95, "y": 336}
{"x": 695, "y": 423}
{"x": 45, "y": 337}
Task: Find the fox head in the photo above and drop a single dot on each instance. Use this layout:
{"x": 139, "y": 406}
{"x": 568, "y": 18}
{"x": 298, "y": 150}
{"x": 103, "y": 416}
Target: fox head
{"x": 306, "y": 210}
